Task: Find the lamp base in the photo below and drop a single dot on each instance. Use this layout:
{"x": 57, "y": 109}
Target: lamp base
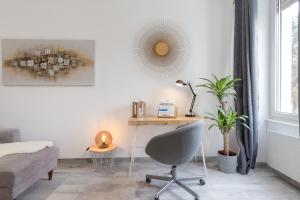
{"x": 103, "y": 146}
{"x": 190, "y": 115}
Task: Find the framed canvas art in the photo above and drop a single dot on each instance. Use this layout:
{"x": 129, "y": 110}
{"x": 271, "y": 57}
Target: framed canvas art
{"x": 48, "y": 62}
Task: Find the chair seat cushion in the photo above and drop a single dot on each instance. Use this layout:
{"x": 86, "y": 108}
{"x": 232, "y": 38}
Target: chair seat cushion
{"x": 17, "y": 168}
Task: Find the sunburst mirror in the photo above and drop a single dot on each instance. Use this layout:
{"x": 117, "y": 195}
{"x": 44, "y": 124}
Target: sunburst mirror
{"x": 162, "y": 47}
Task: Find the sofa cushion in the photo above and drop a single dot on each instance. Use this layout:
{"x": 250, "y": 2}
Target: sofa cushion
{"x": 17, "y": 168}
{"x": 8, "y": 135}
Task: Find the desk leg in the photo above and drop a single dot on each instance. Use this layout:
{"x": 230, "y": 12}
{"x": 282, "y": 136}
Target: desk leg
{"x": 203, "y": 159}
{"x": 132, "y": 153}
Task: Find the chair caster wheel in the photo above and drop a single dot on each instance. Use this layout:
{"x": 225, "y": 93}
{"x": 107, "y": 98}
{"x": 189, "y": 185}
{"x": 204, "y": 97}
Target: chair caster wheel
{"x": 148, "y": 180}
{"x": 202, "y": 182}
{"x": 196, "y": 199}
{"x": 156, "y": 198}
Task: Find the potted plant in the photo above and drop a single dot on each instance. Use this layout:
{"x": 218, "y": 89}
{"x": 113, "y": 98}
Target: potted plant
{"x": 226, "y": 118}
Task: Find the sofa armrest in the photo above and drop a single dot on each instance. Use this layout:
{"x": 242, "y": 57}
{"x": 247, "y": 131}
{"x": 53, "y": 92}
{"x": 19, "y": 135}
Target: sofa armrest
{"x": 9, "y": 135}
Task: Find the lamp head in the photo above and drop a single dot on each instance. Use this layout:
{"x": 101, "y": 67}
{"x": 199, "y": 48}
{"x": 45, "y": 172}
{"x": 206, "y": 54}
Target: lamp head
{"x": 180, "y": 83}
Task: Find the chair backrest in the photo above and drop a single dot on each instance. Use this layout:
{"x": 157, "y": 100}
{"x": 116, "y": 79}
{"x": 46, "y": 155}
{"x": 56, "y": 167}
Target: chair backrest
{"x": 176, "y": 147}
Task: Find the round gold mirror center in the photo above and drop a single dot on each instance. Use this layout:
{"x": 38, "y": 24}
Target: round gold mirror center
{"x": 161, "y": 48}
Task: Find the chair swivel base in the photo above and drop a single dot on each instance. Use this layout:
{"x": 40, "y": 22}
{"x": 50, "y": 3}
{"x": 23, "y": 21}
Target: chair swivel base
{"x": 177, "y": 181}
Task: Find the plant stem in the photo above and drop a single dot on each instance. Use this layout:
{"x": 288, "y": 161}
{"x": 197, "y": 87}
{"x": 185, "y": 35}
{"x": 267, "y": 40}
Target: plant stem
{"x": 222, "y": 105}
{"x": 225, "y": 133}
{"x": 226, "y": 143}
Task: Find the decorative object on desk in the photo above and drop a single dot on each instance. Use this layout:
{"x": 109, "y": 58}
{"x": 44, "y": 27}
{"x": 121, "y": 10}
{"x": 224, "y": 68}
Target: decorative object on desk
{"x": 226, "y": 118}
{"x": 167, "y": 109}
{"x": 162, "y": 47}
{"x": 134, "y": 109}
{"x": 138, "y": 109}
{"x": 180, "y": 83}
{"x": 48, "y": 62}
{"x": 103, "y": 139}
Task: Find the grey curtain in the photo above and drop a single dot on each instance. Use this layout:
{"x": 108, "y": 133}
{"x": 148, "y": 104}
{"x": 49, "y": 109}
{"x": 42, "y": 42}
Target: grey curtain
{"x": 245, "y": 67}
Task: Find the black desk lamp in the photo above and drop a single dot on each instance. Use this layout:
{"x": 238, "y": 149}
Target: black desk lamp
{"x": 181, "y": 84}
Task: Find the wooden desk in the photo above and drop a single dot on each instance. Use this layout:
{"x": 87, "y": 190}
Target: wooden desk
{"x": 153, "y": 120}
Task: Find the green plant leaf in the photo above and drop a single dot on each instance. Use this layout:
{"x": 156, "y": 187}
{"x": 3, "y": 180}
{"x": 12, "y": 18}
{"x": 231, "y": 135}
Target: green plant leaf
{"x": 223, "y": 88}
{"x": 245, "y": 125}
{"x": 211, "y": 126}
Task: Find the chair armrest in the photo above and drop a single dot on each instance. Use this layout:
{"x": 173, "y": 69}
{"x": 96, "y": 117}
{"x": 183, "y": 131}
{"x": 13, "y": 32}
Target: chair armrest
{"x": 9, "y": 135}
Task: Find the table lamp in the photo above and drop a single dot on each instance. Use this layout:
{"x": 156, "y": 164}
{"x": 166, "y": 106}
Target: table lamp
{"x": 182, "y": 84}
{"x": 103, "y": 139}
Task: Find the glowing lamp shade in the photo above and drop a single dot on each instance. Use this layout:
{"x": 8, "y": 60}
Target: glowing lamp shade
{"x": 103, "y": 139}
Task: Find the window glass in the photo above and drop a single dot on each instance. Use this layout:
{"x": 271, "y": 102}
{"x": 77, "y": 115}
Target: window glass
{"x": 287, "y": 72}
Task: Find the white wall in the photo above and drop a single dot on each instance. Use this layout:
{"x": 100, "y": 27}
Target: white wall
{"x": 284, "y": 149}
{"x": 71, "y": 116}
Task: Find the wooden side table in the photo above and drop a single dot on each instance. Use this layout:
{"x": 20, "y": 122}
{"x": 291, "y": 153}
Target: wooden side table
{"x": 102, "y": 156}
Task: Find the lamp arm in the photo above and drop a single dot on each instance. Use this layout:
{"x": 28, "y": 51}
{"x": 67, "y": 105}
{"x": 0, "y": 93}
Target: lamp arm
{"x": 192, "y": 104}
{"x": 194, "y": 97}
{"x": 191, "y": 88}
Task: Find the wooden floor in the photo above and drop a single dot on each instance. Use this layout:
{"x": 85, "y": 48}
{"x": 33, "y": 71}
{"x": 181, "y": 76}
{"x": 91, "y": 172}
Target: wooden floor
{"x": 79, "y": 181}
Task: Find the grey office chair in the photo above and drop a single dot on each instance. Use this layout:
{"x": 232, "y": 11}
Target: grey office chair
{"x": 175, "y": 148}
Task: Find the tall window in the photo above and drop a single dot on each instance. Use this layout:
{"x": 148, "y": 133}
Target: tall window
{"x": 286, "y": 81}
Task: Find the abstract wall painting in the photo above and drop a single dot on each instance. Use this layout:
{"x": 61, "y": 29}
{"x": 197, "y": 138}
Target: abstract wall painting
{"x": 48, "y": 62}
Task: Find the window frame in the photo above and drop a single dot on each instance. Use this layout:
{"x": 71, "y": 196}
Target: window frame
{"x": 276, "y": 66}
